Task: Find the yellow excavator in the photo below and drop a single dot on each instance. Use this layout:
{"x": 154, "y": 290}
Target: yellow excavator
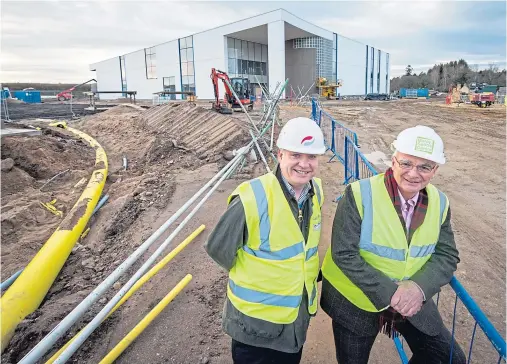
{"x": 326, "y": 89}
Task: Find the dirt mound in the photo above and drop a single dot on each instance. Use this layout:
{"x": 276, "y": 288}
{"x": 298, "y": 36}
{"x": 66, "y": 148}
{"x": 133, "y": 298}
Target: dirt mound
{"x": 45, "y": 156}
{"x": 206, "y": 132}
{"x": 26, "y": 225}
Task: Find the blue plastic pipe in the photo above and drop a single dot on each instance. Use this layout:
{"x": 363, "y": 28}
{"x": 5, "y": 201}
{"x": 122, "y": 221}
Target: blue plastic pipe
{"x": 10, "y": 280}
{"x": 102, "y": 201}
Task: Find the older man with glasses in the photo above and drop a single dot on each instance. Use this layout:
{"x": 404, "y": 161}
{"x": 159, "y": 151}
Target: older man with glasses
{"x": 392, "y": 249}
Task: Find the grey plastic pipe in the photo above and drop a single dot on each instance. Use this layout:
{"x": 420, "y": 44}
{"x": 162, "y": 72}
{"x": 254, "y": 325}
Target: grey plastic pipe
{"x": 273, "y": 104}
{"x": 81, "y": 337}
{"x": 59, "y": 330}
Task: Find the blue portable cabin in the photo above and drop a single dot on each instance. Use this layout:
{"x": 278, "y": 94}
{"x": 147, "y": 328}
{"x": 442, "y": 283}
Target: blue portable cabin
{"x": 414, "y": 93}
{"x": 30, "y": 97}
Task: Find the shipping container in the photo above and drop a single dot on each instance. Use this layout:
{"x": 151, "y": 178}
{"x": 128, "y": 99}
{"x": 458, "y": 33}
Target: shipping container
{"x": 30, "y": 97}
{"x": 414, "y": 93}
{"x": 489, "y": 88}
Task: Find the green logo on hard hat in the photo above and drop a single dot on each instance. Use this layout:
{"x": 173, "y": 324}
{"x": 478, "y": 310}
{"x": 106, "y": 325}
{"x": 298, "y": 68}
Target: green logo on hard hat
{"x": 424, "y": 145}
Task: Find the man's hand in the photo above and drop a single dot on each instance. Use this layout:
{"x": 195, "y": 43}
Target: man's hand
{"x": 407, "y": 299}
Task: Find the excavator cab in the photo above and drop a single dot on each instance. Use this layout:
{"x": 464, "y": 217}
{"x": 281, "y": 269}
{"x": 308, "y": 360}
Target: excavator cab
{"x": 242, "y": 87}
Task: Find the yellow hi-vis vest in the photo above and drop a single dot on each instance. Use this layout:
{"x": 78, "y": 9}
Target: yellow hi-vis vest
{"x": 275, "y": 265}
{"x": 383, "y": 242}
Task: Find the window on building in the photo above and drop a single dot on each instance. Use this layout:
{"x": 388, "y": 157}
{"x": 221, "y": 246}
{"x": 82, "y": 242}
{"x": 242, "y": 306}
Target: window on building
{"x": 372, "y": 68}
{"x": 169, "y": 85}
{"x": 123, "y": 75}
{"x": 334, "y": 63}
{"x": 325, "y": 61}
{"x": 378, "y": 71}
{"x": 150, "y": 58}
{"x": 247, "y": 59}
{"x": 187, "y": 64}
{"x": 387, "y": 72}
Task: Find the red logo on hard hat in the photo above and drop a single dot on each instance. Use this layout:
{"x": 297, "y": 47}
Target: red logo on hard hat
{"x": 307, "y": 140}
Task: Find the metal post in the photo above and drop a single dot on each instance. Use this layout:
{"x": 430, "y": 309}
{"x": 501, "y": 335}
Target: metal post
{"x": 299, "y": 92}
{"x": 262, "y": 88}
{"x": 273, "y": 105}
{"x": 260, "y": 151}
{"x": 306, "y": 93}
{"x": 346, "y": 161}
{"x": 272, "y": 134}
{"x": 72, "y": 111}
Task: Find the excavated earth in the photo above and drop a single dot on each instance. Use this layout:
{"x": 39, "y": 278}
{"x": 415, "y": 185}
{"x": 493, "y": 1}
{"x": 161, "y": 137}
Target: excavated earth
{"x": 170, "y": 149}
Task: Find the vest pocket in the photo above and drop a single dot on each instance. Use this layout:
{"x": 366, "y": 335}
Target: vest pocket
{"x": 255, "y": 327}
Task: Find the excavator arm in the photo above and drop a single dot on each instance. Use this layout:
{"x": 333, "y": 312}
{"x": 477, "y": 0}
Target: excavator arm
{"x": 65, "y": 95}
{"x": 218, "y": 105}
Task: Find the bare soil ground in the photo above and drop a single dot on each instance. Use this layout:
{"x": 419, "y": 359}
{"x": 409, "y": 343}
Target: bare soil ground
{"x": 51, "y": 110}
{"x": 161, "y": 177}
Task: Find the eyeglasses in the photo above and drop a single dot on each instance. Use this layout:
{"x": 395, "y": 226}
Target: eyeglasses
{"x": 421, "y": 168}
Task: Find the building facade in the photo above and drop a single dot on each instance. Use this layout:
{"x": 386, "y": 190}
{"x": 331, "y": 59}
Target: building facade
{"x": 266, "y": 49}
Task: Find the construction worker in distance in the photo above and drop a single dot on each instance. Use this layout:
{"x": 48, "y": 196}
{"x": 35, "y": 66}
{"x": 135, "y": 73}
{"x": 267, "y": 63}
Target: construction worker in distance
{"x": 267, "y": 239}
{"x": 392, "y": 249}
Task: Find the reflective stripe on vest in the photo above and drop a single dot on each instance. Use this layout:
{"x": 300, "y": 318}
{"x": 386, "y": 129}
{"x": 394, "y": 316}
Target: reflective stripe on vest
{"x": 251, "y": 295}
{"x": 366, "y": 240}
{"x": 262, "y": 209}
{"x": 275, "y": 266}
{"x": 317, "y": 192}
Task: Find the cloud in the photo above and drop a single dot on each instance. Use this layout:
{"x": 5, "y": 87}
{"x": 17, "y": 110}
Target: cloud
{"x": 425, "y": 33}
{"x": 48, "y": 41}
{"x": 38, "y": 38}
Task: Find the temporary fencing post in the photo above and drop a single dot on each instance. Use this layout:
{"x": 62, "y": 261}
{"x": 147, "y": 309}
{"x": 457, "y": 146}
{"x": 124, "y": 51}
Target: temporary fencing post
{"x": 333, "y": 146}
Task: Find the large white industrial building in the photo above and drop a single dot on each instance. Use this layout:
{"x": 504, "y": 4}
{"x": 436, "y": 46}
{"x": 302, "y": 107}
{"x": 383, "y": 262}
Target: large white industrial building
{"x": 271, "y": 46}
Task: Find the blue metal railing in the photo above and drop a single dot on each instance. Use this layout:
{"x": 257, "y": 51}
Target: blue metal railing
{"x": 334, "y": 132}
{"x": 356, "y": 167}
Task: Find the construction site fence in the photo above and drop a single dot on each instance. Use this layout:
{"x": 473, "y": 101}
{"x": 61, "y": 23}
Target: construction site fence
{"x": 334, "y": 131}
{"x": 343, "y": 144}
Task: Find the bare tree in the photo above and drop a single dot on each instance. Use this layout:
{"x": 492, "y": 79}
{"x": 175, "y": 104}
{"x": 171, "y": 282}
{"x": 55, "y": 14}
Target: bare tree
{"x": 446, "y": 77}
{"x": 434, "y": 77}
{"x": 491, "y": 72}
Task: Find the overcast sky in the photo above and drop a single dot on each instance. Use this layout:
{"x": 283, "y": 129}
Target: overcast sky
{"x": 51, "y": 41}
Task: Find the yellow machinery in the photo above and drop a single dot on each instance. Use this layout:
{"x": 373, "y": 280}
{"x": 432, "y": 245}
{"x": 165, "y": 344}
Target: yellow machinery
{"x": 326, "y": 89}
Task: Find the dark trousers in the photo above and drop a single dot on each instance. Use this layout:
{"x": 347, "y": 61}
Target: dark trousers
{"x": 247, "y": 354}
{"x": 355, "y": 349}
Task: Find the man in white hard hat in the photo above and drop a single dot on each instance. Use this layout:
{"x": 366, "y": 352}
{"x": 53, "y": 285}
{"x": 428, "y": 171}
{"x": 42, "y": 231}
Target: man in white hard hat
{"x": 267, "y": 240}
{"x": 392, "y": 249}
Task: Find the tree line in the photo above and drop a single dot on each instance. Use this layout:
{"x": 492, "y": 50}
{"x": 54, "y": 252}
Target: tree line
{"x": 16, "y": 86}
{"x": 442, "y": 76}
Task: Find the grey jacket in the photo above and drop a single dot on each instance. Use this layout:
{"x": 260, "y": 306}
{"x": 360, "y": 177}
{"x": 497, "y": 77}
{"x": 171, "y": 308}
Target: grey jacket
{"x": 231, "y": 234}
{"x": 379, "y": 288}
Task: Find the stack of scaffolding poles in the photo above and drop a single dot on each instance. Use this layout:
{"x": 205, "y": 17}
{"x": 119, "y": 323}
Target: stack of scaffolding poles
{"x": 50, "y": 339}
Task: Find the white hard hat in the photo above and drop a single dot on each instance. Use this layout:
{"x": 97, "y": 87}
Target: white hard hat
{"x": 421, "y": 141}
{"x": 301, "y": 135}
